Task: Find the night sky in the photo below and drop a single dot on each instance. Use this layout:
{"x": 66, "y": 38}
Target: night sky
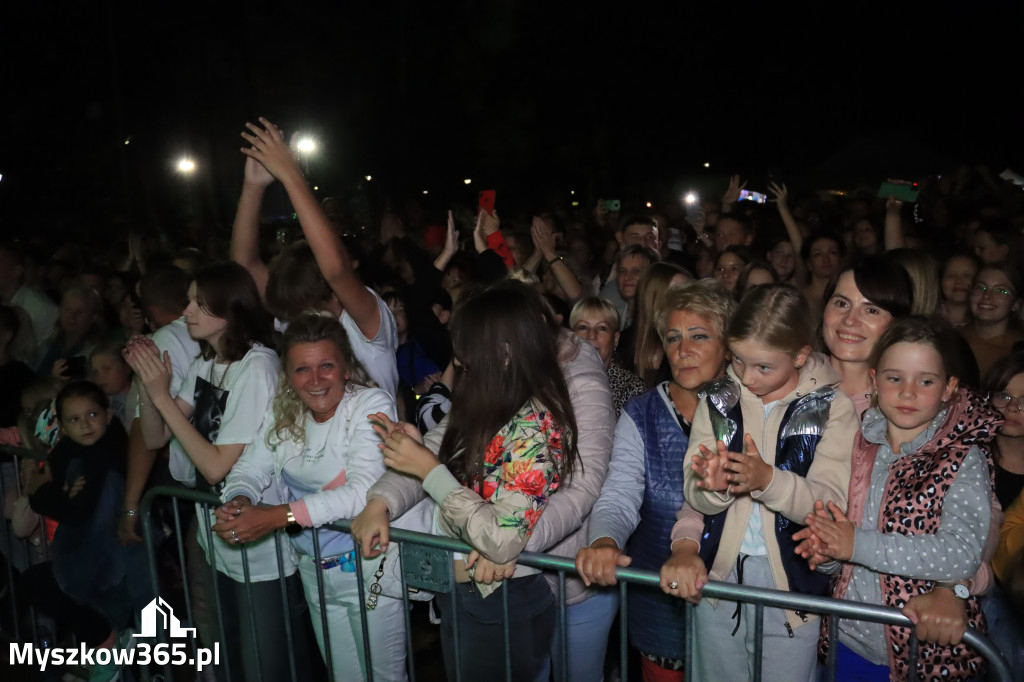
{"x": 533, "y": 99}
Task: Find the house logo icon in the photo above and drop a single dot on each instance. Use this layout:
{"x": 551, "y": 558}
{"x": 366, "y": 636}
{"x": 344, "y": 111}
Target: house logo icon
{"x": 158, "y": 611}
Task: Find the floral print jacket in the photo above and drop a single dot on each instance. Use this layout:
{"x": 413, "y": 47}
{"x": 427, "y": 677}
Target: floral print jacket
{"x": 497, "y": 515}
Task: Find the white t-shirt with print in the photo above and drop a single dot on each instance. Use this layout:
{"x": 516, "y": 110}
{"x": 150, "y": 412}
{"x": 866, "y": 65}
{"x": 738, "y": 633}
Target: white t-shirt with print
{"x": 250, "y": 384}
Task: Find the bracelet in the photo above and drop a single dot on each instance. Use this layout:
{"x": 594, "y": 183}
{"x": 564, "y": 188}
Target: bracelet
{"x": 555, "y": 260}
{"x": 291, "y": 518}
{"x": 130, "y": 512}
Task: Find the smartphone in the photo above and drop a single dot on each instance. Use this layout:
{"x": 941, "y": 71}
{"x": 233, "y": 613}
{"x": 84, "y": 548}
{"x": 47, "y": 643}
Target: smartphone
{"x": 675, "y": 239}
{"x": 487, "y": 199}
{"x": 747, "y": 195}
{"x": 903, "y": 190}
{"x": 76, "y": 368}
{"x": 613, "y": 205}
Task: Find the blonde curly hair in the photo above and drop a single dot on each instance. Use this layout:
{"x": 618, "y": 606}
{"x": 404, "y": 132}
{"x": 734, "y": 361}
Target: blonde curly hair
{"x": 289, "y": 410}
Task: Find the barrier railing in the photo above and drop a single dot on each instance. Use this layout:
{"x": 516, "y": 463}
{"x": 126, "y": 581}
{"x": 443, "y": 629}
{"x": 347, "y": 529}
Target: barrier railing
{"x": 761, "y": 597}
{"x": 415, "y": 571}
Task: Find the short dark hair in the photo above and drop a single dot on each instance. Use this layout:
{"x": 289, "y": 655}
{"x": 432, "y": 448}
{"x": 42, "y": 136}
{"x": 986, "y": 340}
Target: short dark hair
{"x": 166, "y": 287}
{"x": 881, "y": 281}
{"x": 637, "y": 220}
{"x": 744, "y": 220}
{"x": 295, "y": 283}
{"x": 820, "y": 235}
{"x": 81, "y": 389}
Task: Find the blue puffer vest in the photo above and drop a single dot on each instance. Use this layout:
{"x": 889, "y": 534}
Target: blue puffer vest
{"x": 802, "y": 427}
{"x": 656, "y": 620}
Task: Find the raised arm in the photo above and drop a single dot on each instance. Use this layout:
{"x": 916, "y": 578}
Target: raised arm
{"x": 893, "y": 225}
{"x": 270, "y": 149}
{"x": 544, "y": 241}
{"x": 245, "y": 233}
{"x": 792, "y": 229}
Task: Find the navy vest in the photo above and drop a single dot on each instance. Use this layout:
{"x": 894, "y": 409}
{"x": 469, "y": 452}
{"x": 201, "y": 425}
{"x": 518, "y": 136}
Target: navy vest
{"x": 656, "y": 620}
{"x": 802, "y": 428}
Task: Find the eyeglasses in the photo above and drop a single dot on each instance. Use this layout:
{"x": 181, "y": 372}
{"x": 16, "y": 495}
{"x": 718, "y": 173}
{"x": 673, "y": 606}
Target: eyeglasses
{"x": 1005, "y": 400}
{"x": 980, "y": 290}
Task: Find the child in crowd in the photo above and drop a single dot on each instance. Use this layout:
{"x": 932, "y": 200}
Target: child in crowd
{"x": 919, "y": 512}
{"x": 770, "y": 438}
{"x": 111, "y": 373}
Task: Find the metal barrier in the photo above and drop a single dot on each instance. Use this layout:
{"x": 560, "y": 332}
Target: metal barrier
{"x": 761, "y": 597}
{"x": 15, "y": 549}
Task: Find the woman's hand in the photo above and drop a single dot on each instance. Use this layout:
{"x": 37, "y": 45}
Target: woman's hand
{"x": 60, "y": 369}
{"x": 384, "y": 427}
{"x": 451, "y": 237}
{"x": 268, "y": 146}
{"x": 811, "y": 546}
{"x": 747, "y": 471}
{"x": 939, "y": 616}
{"x": 485, "y": 571}
{"x": 597, "y": 563}
{"x": 685, "y": 571}
{"x": 371, "y": 527}
{"x": 240, "y": 521}
{"x": 407, "y": 455}
{"x": 836, "y": 536}
{"x": 709, "y": 467}
{"x": 732, "y": 193}
{"x": 543, "y": 239}
{"x": 153, "y": 371}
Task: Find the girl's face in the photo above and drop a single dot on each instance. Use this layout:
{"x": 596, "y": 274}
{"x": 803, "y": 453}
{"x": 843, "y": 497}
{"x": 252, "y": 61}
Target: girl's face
{"x": 728, "y": 268}
{"x": 76, "y": 315}
{"x": 852, "y": 324}
{"x": 993, "y": 298}
{"x": 1013, "y": 427}
{"x": 83, "y": 421}
{"x": 397, "y": 309}
{"x": 111, "y": 373}
{"x": 202, "y": 324}
{"x": 759, "y": 276}
{"x": 987, "y": 249}
{"x": 783, "y": 259}
{"x": 705, "y": 266}
{"x": 957, "y": 278}
{"x": 912, "y": 387}
{"x": 864, "y": 236}
{"x": 768, "y": 373}
{"x": 599, "y": 333}
{"x": 695, "y": 350}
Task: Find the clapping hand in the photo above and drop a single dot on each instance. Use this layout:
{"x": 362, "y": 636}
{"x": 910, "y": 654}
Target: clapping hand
{"x": 746, "y": 470}
{"x": 709, "y": 467}
{"x": 836, "y": 535}
{"x": 811, "y": 546}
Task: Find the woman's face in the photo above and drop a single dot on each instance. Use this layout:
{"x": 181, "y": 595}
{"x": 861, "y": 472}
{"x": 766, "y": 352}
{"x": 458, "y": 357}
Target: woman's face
{"x": 824, "y": 258}
{"x": 76, "y": 315}
{"x": 318, "y": 373}
{"x": 1013, "y": 427}
{"x": 202, "y": 324}
{"x": 705, "y": 265}
{"x": 852, "y": 324}
{"x": 728, "y": 268}
{"x": 695, "y": 349}
{"x": 957, "y": 279}
{"x": 599, "y": 332}
{"x": 783, "y": 259}
{"x": 759, "y": 276}
{"x": 864, "y": 236}
{"x": 993, "y": 298}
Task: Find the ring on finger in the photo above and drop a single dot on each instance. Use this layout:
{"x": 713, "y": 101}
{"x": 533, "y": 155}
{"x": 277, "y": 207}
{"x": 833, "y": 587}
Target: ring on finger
{"x": 234, "y": 535}
{"x": 673, "y": 585}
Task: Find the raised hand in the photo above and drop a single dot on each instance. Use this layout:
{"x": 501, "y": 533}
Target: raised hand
{"x": 256, "y": 173}
{"x": 747, "y": 471}
{"x": 732, "y": 194}
{"x": 780, "y": 194}
{"x": 451, "y": 238}
{"x": 268, "y": 147}
{"x": 597, "y": 563}
{"x": 543, "y": 238}
{"x": 709, "y": 468}
{"x": 153, "y": 371}
{"x": 836, "y": 535}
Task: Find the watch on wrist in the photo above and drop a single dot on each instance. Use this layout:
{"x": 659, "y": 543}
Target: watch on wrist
{"x": 291, "y": 518}
{"x": 959, "y": 589}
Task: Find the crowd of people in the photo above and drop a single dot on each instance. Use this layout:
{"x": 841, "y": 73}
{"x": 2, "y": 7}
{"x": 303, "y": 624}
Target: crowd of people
{"x": 823, "y": 394}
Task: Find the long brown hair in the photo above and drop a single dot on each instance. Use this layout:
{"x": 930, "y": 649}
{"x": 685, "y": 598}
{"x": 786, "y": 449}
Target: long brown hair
{"x": 507, "y": 347}
{"x": 227, "y": 290}
{"x": 650, "y": 292}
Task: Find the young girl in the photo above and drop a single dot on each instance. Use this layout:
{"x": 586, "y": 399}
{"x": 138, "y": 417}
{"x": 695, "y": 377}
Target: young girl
{"x": 111, "y": 373}
{"x": 509, "y": 443}
{"x": 771, "y": 437}
{"x": 919, "y": 509}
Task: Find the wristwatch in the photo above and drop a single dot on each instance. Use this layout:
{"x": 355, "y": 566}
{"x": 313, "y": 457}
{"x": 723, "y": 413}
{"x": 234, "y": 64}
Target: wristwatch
{"x": 291, "y": 518}
{"x": 959, "y": 589}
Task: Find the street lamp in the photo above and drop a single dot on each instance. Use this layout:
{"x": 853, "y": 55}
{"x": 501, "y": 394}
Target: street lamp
{"x": 186, "y": 167}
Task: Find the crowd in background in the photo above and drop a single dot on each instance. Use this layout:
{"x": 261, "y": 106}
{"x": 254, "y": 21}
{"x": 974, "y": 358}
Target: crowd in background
{"x": 571, "y": 381}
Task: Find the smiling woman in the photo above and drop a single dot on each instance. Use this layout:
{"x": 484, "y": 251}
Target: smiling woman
{"x": 317, "y": 439}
